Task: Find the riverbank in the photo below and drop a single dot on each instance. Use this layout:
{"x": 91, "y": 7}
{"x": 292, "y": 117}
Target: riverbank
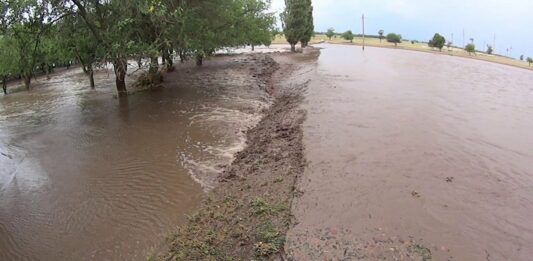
{"x": 247, "y": 215}
{"x": 417, "y": 46}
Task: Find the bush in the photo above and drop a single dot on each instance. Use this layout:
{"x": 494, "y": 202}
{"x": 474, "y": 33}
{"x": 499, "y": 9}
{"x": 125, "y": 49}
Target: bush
{"x": 438, "y": 41}
{"x": 394, "y": 38}
{"x": 470, "y": 48}
{"x": 348, "y": 35}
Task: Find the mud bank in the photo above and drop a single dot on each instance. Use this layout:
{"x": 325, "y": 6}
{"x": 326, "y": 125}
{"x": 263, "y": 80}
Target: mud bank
{"x": 247, "y": 215}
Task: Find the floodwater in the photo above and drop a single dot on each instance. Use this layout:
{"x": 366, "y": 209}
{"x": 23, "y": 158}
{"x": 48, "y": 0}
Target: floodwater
{"x": 407, "y": 146}
{"x": 85, "y": 176}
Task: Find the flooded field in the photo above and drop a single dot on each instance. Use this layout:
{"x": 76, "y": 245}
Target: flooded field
{"x": 85, "y": 176}
{"x": 415, "y": 155}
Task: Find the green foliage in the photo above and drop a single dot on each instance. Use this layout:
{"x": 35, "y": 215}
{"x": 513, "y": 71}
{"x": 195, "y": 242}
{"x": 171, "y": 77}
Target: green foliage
{"x": 489, "y": 49}
{"x": 529, "y": 60}
{"x": 521, "y": 57}
{"x": 394, "y": 38}
{"x": 297, "y": 21}
{"x": 8, "y": 57}
{"x": 309, "y": 23}
{"x": 380, "y": 33}
{"x": 26, "y": 23}
{"x": 43, "y": 33}
{"x": 470, "y": 48}
{"x": 438, "y": 41}
{"x": 348, "y": 35}
{"x": 330, "y": 33}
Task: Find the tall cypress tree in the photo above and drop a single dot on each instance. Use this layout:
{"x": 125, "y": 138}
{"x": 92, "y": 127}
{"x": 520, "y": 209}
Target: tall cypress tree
{"x": 309, "y": 26}
{"x": 295, "y": 21}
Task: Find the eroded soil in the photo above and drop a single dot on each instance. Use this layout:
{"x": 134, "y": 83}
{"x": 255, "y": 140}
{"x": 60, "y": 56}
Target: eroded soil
{"x": 247, "y": 215}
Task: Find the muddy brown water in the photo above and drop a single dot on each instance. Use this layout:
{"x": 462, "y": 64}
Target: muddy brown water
{"x": 85, "y": 176}
{"x": 407, "y": 146}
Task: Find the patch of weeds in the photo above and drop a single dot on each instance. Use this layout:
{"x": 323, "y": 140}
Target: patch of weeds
{"x": 278, "y": 179}
{"x": 260, "y": 206}
{"x": 423, "y": 251}
{"x": 269, "y": 240}
{"x": 152, "y": 257}
{"x": 228, "y": 199}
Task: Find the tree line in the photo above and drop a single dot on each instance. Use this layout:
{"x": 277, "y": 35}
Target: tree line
{"x": 42, "y": 34}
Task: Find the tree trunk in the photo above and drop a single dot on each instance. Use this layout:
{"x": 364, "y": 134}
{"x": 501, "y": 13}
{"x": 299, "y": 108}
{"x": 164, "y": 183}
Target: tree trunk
{"x": 199, "y": 60}
{"x": 121, "y": 67}
{"x": 27, "y": 81}
{"x": 154, "y": 65}
{"x": 293, "y": 48}
{"x": 4, "y": 84}
{"x": 47, "y": 71}
{"x": 169, "y": 61}
{"x": 253, "y": 47}
{"x": 139, "y": 62}
{"x": 182, "y": 56}
{"x": 90, "y": 73}
{"x": 304, "y": 44}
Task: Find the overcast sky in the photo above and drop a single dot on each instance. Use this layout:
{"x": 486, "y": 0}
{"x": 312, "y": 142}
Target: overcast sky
{"x": 510, "y": 20}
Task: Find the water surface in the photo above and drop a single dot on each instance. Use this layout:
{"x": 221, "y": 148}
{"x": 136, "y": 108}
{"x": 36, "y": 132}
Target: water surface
{"x": 406, "y": 145}
{"x": 84, "y": 175}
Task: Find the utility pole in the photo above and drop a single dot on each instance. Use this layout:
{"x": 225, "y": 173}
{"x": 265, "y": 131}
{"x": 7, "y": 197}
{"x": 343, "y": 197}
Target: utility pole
{"x": 463, "y": 38}
{"x": 494, "y": 43}
{"x": 363, "y": 31}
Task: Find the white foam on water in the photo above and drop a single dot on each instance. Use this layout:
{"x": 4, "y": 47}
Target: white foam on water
{"x": 205, "y": 162}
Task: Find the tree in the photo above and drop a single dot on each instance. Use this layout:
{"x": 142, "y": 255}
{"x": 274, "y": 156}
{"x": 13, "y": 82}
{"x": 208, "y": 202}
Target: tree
{"x": 348, "y": 35}
{"x": 470, "y": 48}
{"x": 394, "y": 38}
{"x": 255, "y": 24}
{"x": 8, "y": 61}
{"x": 489, "y": 49}
{"x": 529, "y": 60}
{"x": 381, "y": 32}
{"x": 294, "y": 20}
{"x": 309, "y": 23}
{"x": 111, "y": 24}
{"x": 26, "y": 23}
{"x": 43, "y": 33}
{"x": 76, "y": 40}
{"x": 438, "y": 41}
{"x": 330, "y": 33}
{"x": 521, "y": 57}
